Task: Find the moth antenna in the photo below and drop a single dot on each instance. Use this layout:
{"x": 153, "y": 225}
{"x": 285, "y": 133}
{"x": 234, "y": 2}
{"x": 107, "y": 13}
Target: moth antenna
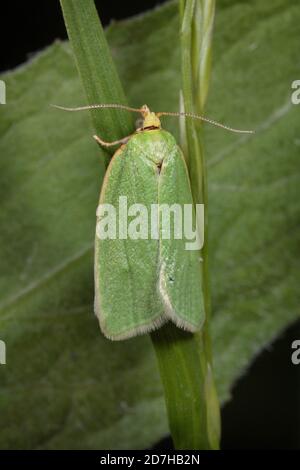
{"x": 205, "y": 119}
{"x": 97, "y": 106}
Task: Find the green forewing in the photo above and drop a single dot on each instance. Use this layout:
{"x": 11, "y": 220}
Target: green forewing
{"x": 180, "y": 269}
{"x": 143, "y": 283}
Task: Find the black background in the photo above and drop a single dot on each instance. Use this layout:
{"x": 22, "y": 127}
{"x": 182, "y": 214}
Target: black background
{"x": 30, "y": 25}
{"x": 264, "y": 411}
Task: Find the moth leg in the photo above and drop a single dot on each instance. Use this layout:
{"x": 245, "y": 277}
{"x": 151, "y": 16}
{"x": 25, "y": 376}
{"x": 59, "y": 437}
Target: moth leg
{"x": 124, "y": 140}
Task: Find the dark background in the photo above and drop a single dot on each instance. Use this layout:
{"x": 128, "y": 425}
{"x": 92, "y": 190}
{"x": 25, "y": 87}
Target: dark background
{"x": 38, "y": 23}
{"x": 264, "y": 412}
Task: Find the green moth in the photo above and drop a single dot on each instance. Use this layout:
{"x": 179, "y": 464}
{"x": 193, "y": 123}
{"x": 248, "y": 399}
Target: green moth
{"x": 142, "y": 283}
{"x": 145, "y": 274}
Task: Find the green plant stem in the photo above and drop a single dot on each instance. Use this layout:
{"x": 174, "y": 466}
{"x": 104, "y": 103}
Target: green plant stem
{"x": 180, "y": 358}
{"x": 191, "y": 397}
{"x": 96, "y": 68}
{"x": 196, "y": 36}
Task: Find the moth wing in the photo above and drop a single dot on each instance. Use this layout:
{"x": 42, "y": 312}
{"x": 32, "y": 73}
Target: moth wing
{"x": 180, "y": 278}
{"x": 127, "y": 302}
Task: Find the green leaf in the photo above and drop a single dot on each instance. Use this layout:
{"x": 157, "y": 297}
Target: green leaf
{"x": 254, "y": 206}
{"x": 64, "y": 385}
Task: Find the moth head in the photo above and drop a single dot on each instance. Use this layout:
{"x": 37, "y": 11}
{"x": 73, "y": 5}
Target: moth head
{"x": 150, "y": 119}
